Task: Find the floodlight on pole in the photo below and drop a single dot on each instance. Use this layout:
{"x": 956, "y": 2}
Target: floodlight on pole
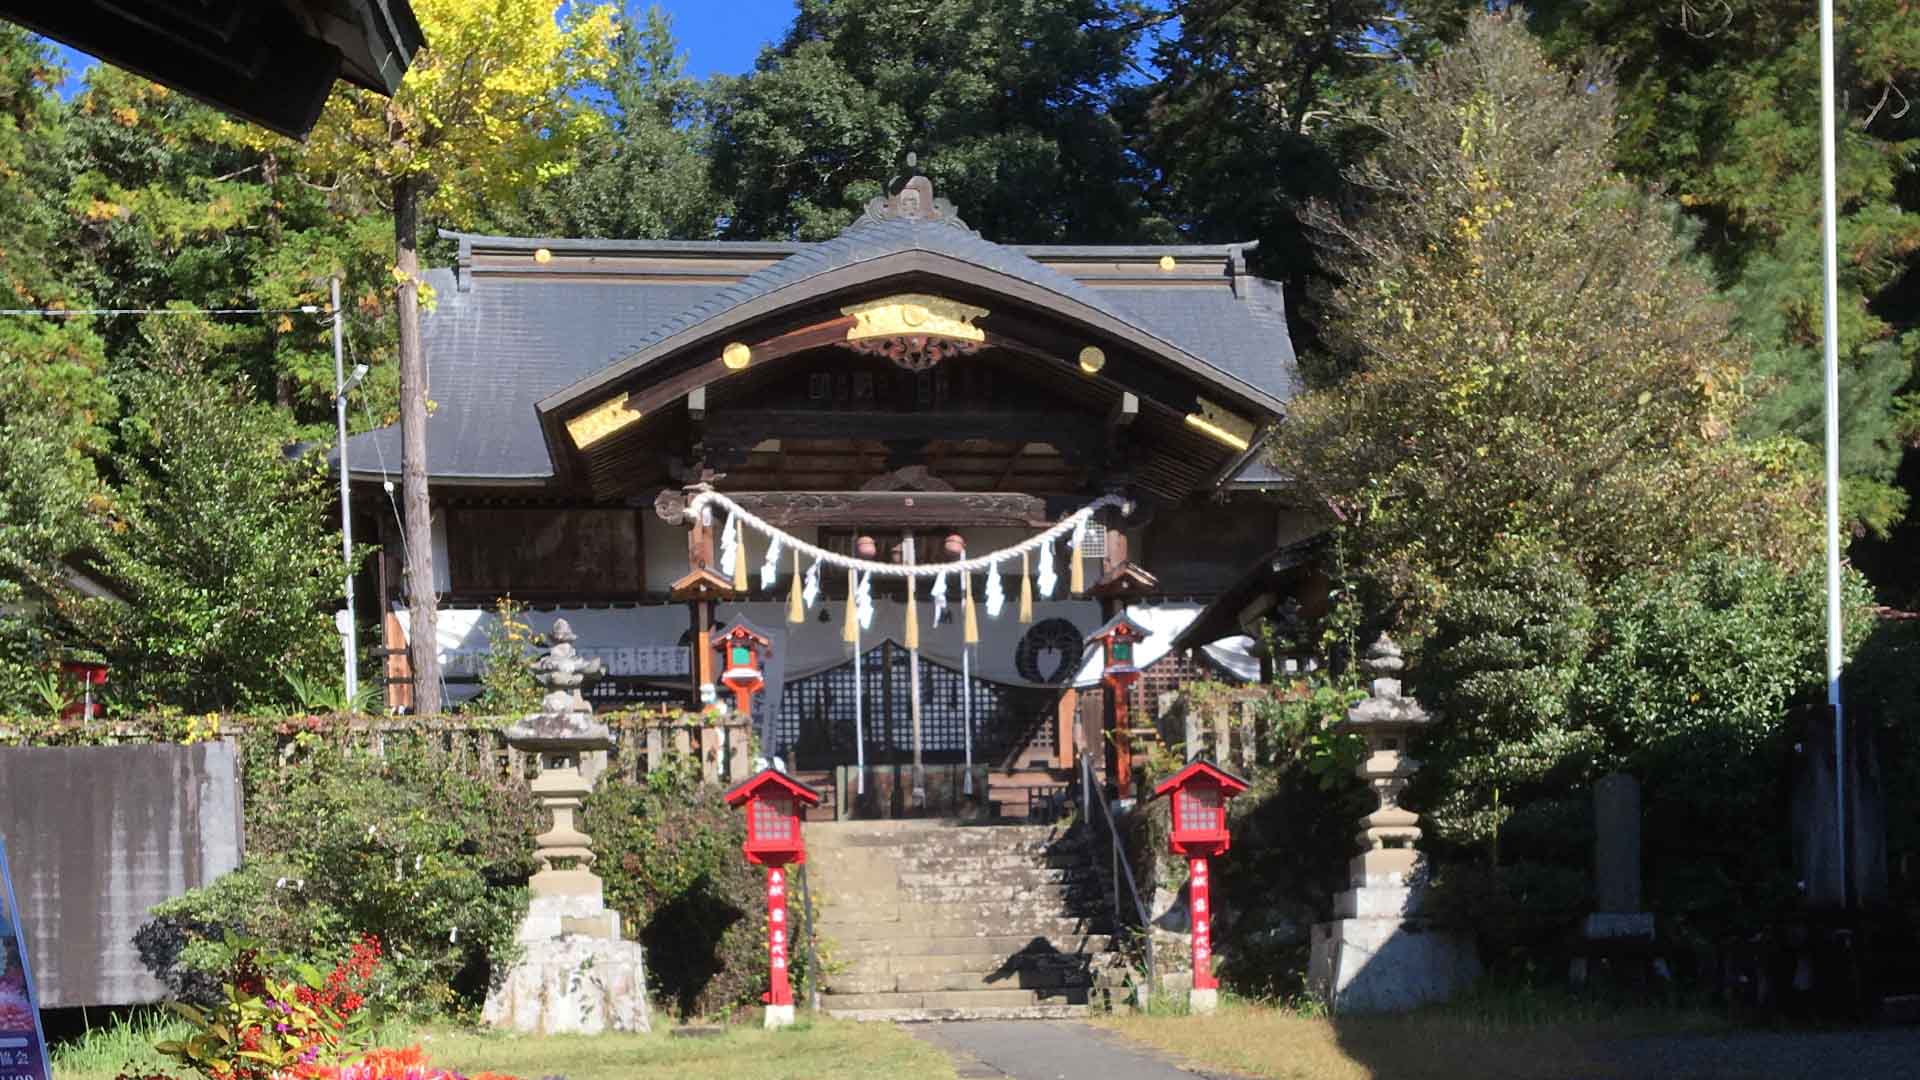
{"x": 341, "y": 386}
{"x": 1831, "y": 330}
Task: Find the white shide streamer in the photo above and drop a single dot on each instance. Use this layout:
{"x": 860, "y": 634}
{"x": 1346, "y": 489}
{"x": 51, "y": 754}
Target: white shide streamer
{"x": 863, "y": 601}
{"x": 730, "y": 546}
{"x": 1047, "y": 577}
{"x": 939, "y": 598}
{"x": 770, "y": 570}
{"x": 810, "y": 588}
{"x": 996, "y": 594}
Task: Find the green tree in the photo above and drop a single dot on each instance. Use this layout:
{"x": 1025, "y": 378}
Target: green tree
{"x": 490, "y": 108}
{"x": 220, "y": 544}
{"x": 54, "y": 401}
{"x": 643, "y": 174}
{"x": 1522, "y": 347}
{"x": 169, "y": 202}
{"x": 1722, "y": 106}
{"x": 1006, "y": 102}
{"x": 1251, "y": 112}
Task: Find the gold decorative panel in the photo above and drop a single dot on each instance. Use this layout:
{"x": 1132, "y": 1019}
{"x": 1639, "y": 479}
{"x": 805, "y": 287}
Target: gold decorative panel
{"x": 601, "y": 421}
{"x": 917, "y": 314}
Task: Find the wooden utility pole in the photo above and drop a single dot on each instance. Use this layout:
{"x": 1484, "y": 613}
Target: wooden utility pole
{"x": 417, "y": 526}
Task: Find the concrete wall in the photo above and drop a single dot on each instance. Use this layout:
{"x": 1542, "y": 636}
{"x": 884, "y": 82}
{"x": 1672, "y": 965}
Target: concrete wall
{"x": 99, "y": 834}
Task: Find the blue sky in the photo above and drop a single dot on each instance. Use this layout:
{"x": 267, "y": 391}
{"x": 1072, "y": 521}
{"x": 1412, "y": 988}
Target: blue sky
{"x": 718, "y": 37}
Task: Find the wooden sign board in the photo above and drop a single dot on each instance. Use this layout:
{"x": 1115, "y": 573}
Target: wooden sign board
{"x": 23, "y": 1047}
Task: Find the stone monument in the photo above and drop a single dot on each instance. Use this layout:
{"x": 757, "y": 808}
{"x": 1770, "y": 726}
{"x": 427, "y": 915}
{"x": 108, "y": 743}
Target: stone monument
{"x": 1378, "y": 954}
{"x": 1616, "y": 862}
{"x": 575, "y": 975}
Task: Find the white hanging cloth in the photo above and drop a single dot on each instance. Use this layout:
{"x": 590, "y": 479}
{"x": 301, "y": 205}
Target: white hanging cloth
{"x": 939, "y": 598}
{"x": 810, "y": 588}
{"x": 770, "y": 570}
{"x": 1047, "y": 577}
{"x": 730, "y": 545}
{"x": 996, "y": 596}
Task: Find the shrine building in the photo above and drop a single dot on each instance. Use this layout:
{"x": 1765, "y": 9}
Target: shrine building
{"x": 908, "y": 391}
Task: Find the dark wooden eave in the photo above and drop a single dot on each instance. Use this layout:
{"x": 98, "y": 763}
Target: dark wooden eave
{"x": 270, "y": 62}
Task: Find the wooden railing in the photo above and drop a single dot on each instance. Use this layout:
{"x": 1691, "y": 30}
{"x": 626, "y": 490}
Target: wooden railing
{"x": 475, "y": 745}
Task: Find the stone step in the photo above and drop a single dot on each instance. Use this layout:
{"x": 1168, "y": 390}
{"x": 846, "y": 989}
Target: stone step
{"x": 998, "y": 946}
{"x": 935, "y": 981}
{"x": 846, "y": 932}
{"x": 977, "y": 963}
{"x": 1054, "y": 894}
{"x": 1010, "y": 871}
{"x": 1016, "y": 915}
{"x": 953, "y": 999}
{"x": 975, "y": 1012}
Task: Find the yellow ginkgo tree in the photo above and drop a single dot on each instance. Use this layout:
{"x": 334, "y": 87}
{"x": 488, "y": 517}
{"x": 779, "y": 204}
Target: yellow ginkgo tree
{"x": 491, "y": 106}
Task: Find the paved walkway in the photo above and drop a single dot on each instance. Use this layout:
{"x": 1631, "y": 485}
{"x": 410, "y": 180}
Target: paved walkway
{"x": 1045, "y": 1050}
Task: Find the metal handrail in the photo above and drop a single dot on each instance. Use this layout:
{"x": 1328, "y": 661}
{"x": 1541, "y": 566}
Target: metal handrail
{"x": 1122, "y": 869}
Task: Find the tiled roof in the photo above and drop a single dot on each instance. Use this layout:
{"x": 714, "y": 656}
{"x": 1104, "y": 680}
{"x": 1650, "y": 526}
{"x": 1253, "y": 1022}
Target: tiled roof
{"x": 497, "y": 348}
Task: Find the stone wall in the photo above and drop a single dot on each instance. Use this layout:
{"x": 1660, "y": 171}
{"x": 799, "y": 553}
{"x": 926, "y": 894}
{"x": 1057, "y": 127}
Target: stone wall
{"x": 96, "y": 836}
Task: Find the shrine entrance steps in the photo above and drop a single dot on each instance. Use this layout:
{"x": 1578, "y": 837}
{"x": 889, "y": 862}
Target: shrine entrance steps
{"x": 930, "y": 920}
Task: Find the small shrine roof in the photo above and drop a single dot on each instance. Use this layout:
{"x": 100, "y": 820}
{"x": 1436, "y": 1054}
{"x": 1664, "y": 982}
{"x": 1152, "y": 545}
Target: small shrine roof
{"x": 771, "y": 777}
{"x": 1201, "y": 767}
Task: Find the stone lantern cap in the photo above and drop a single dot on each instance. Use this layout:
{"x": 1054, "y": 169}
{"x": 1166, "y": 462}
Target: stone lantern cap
{"x": 565, "y": 723}
{"x": 1386, "y": 706}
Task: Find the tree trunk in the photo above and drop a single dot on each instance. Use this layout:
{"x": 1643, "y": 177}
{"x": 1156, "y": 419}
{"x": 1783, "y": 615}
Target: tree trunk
{"x": 417, "y": 528}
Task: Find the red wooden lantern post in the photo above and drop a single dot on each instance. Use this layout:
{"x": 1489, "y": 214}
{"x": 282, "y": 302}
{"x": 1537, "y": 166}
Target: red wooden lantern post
{"x": 1117, "y": 640}
{"x": 774, "y": 803}
{"x": 743, "y": 659}
{"x": 1200, "y": 793}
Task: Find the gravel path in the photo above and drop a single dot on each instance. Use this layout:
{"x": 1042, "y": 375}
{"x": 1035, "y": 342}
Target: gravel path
{"x": 1044, "y": 1050}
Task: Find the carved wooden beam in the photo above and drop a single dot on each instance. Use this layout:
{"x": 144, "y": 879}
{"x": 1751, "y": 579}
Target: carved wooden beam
{"x": 851, "y": 509}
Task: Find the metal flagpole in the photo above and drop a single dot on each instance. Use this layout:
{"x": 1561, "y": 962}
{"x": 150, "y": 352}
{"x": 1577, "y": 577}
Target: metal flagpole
{"x": 859, "y": 736}
{"x": 349, "y": 631}
{"x": 1829, "y": 232}
{"x": 913, "y": 697}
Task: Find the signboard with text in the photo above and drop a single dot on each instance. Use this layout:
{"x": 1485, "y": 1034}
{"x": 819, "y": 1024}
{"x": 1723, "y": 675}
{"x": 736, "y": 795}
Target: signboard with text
{"x": 23, "y": 1048}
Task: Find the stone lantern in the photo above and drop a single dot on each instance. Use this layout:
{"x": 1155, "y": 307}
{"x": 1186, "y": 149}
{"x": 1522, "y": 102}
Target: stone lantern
{"x": 1379, "y": 954}
{"x": 576, "y": 974}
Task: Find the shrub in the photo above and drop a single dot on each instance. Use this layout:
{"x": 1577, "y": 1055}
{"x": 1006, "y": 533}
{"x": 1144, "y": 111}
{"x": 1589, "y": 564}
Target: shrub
{"x": 670, "y": 855}
{"x": 343, "y": 842}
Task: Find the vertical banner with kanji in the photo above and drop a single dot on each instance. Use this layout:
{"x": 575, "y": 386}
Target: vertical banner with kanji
{"x": 23, "y": 1049}
{"x": 1198, "y": 901}
{"x": 780, "y": 992}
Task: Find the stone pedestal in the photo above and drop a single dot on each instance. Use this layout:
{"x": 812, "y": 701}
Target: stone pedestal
{"x": 572, "y": 986}
{"x": 778, "y": 1016}
{"x": 1202, "y": 1002}
{"x": 1378, "y": 954}
{"x": 575, "y": 975}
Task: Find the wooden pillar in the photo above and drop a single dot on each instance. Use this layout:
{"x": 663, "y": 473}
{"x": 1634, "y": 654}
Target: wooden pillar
{"x": 1119, "y": 755}
{"x": 699, "y": 589}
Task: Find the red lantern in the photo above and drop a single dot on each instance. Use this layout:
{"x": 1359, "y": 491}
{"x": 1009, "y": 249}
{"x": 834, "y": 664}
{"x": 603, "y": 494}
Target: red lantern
{"x": 1200, "y": 793}
{"x": 743, "y": 657}
{"x": 1117, "y": 640}
{"x": 773, "y": 803}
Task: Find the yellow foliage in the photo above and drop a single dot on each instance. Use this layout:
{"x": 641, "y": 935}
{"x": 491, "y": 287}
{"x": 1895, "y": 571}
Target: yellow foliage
{"x": 488, "y": 107}
{"x": 126, "y": 116}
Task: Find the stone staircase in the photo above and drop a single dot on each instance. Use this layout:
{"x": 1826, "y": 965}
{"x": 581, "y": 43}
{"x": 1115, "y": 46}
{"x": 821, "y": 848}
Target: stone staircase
{"x": 930, "y": 920}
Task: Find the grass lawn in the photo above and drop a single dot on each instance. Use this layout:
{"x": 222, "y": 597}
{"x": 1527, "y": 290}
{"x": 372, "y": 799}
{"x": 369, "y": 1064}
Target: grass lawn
{"x": 811, "y": 1049}
{"x": 1488, "y": 1039}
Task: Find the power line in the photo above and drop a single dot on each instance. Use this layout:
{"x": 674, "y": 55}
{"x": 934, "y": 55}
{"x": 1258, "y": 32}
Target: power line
{"x": 304, "y": 309}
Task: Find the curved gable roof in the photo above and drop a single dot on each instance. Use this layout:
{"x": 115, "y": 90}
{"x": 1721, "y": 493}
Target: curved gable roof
{"x": 871, "y": 240}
